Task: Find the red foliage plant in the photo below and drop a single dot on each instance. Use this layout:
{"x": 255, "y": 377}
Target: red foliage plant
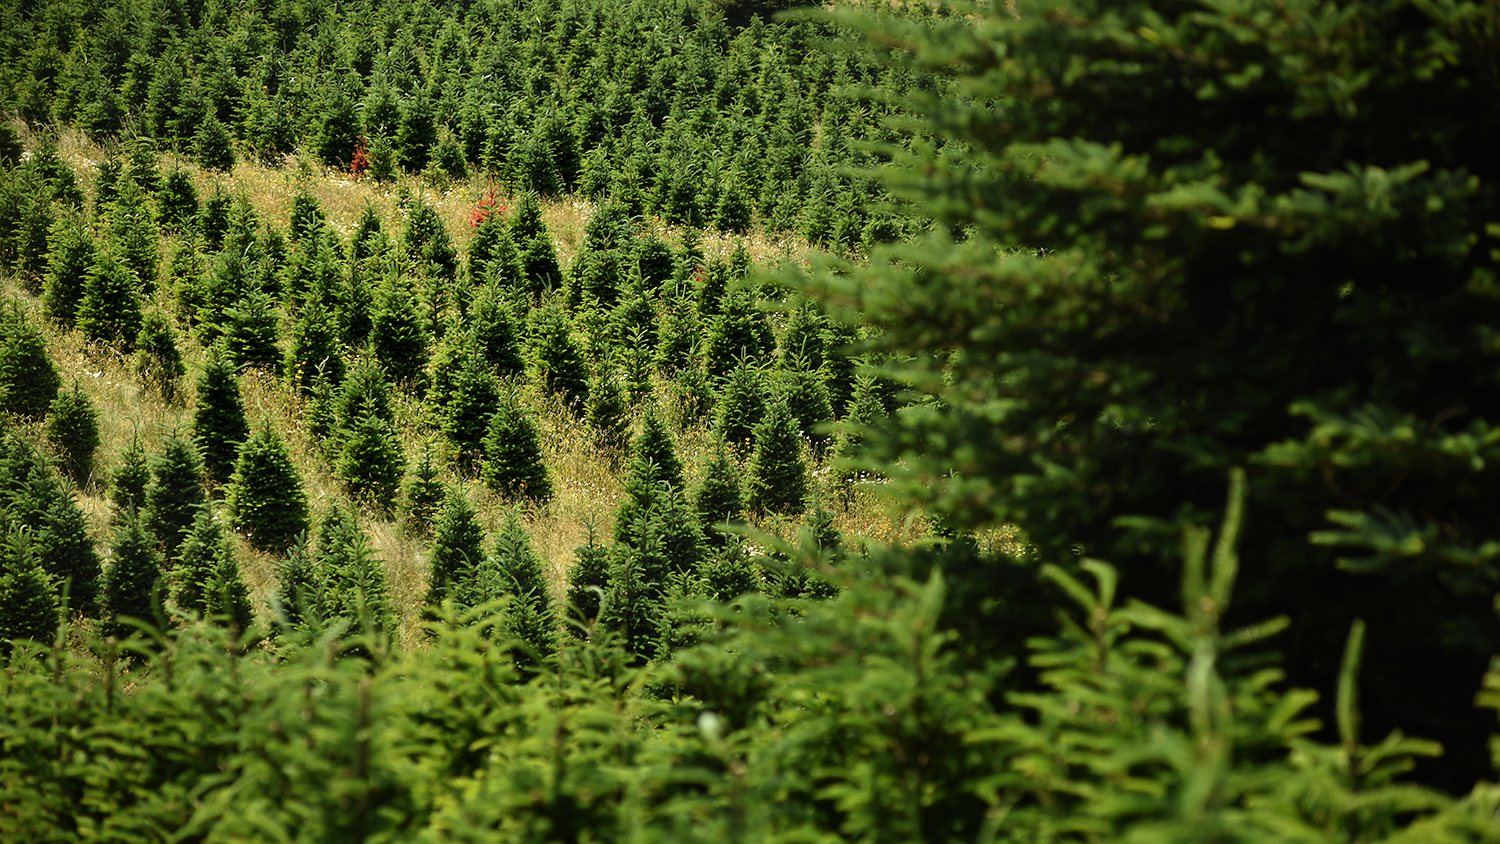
{"x": 359, "y": 162}
{"x": 488, "y": 204}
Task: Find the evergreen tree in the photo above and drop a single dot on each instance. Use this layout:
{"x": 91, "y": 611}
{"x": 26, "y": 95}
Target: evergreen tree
{"x": 110, "y": 310}
{"x": 133, "y": 234}
{"x": 132, "y": 581}
{"x": 177, "y": 202}
{"x": 495, "y": 331}
{"x": 206, "y": 579}
{"x": 315, "y": 348}
{"x": 634, "y": 607}
{"x": 219, "y": 424}
{"x": 28, "y": 599}
{"x": 355, "y": 586}
{"x": 456, "y": 551}
{"x": 73, "y": 434}
{"x": 127, "y": 484}
{"x": 175, "y": 494}
{"x": 681, "y": 536}
{"x": 719, "y": 497}
{"x": 371, "y": 462}
{"x": 65, "y": 550}
{"x": 422, "y": 496}
{"x": 558, "y": 357}
{"x": 28, "y": 379}
{"x": 298, "y": 601}
{"x": 588, "y": 580}
{"x": 807, "y": 397}
{"x": 742, "y": 405}
{"x": 654, "y": 447}
{"x": 265, "y": 497}
{"x": 250, "y": 332}
{"x": 212, "y": 146}
{"x": 71, "y": 255}
{"x": 729, "y": 573}
{"x": 158, "y": 363}
{"x": 538, "y": 257}
{"x": 608, "y": 416}
{"x": 513, "y": 463}
{"x": 740, "y": 331}
{"x": 777, "y": 479}
{"x": 802, "y": 346}
{"x": 426, "y": 241}
{"x": 398, "y": 334}
{"x": 417, "y": 133}
{"x": 465, "y": 417}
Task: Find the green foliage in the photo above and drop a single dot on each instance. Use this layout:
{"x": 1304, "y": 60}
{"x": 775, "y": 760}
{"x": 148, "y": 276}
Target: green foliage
{"x": 127, "y": 483}
{"x": 265, "y": 498}
{"x": 212, "y": 146}
{"x": 719, "y": 498}
{"x": 513, "y": 463}
{"x": 206, "y": 579}
{"x": 132, "y": 584}
{"x": 742, "y": 405}
{"x": 515, "y": 570}
{"x": 739, "y": 331}
{"x": 422, "y": 496}
{"x": 72, "y": 253}
{"x": 73, "y": 434}
{"x": 470, "y": 403}
{"x": 251, "y": 331}
{"x": 371, "y": 462}
{"x": 110, "y": 309}
{"x": 219, "y": 424}
{"x": 557, "y": 356}
{"x": 654, "y": 453}
{"x": 777, "y": 480}
{"x": 176, "y": 493}
{"x": 65, "y": 550}
{"x": 456, "y": 552}
{"x": 355, "y": 588}
{"x": 28, "y": 600}
{"x": 177, "y": 202}
{"x": 398, "y": 335}
{"x": 28, "y": 378}
{"x": 608, "y": 416}
{"x": 157, "y": 363}
{"x": 588, "y": 580}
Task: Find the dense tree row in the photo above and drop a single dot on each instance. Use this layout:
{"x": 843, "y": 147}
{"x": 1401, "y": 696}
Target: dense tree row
{"x": 674, "y": 108}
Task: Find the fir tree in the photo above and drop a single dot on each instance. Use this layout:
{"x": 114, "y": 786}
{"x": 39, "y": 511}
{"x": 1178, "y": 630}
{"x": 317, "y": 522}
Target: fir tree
{"x": 199, "y": 561}
{"x": 588, "y": 580}
{"x": 729, "y": 572}
{"x": 175, "y": 494}
{"x": 681, "y": 536}
{"x": 66, "y": 552}
{"x": 250, "y": 332}
{"x": 371, "y": 462}
{"x": 742, "y": 405}
{"x": 134, "y": 235}
{"x": 426, "y": 240}
{"x": 28, "y": 379}
{"x": 513, "y": 463}
{"x": 514, "y": 569}
{"x": 298, "y": 600}
{"x": 558, "y": 357}
{"x": 456, "y": 551}
{"x": 608, "y": 416}
{"x": 719, "y": 497}
{"x": 777, "y": 479}
{"x": 539, "y": 266}
{"x": 633, "y": 607}
{"x": 132, "y": 582}
{"x": 465, "y": 417}
{"x": 654, "y": 447}
{"x": 315, "y": 349}
{"x": 212, "y": 146}
{"x": 399, "y": 335}
{"x": 265, "y": 497}
{"x": 127, "y": 484}
{"x": 802, "y": 346}
{"x": 740, "y": 331}
{"x": 495, "y": 331}
{"x": 28, "y": 599}
{"x": 807, "y": 398}
{"x": 422, "y": 496}
{"x": 355, "y": 586}
{"x": 158, "y": 363}
{"x": 219, "y": 424}
{"x": 177, "y": 202}
{"x": 73, "y": 434}
{"x": 71, "y": 256}
{"x": 417, "y": 132}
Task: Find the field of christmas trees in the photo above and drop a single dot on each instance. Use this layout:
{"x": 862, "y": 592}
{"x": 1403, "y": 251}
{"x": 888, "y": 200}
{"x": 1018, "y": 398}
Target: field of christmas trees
{"x": 558, "y": 420}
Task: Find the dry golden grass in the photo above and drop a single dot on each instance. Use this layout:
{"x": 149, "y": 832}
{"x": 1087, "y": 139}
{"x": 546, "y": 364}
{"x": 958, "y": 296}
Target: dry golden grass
{"x": 588, "y": 488}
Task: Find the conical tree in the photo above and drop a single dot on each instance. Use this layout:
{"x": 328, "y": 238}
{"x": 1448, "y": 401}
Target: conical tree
{"x": 740, "y": 331}
{"x": 265, "y": 497}
{"x": 588, "y": 581}
{"x": 28, "y": 600}
{"x": 633, "y": 607}
{"x": 28, "y": 378}
{"x": 73, "y": 253}
{"x": 807, "y": 398}
{"x": 465, "y": 417}
{"x": 206, "y": 579}
{"x": 298, "y": 600}
{"x": 127, "y": 484}
{"x": 513, "y": 463}
{"x": 514, "y": 569}
{"x": 608, "y": 416}
{"x": 175, "y": 494}
{"x": 496, "y": 331}
{"x": 742, "y": 404}
{"x": 558, "y": 356}
{"x": 457, "y": 550}
{"x": 399, "y": 335}
{"x": 219, "y": 425}
{"x": 133, "y": 580}
{"x": 158, "y": 363}
{"x": 251, "y": 329}
{"x": 681, "y": 535}
{"x": 355, "y": 586}
{"x": 719, "y": 497}
{"x": 212, "y": 146}
{"x": 66, "y": 553}
{"x": 422, "y": 496}
{"x": 654, "y": 447}
{"x": 371, "y": 462}
{"x": 72, "y": 432}
{"x": 777, "y": 479}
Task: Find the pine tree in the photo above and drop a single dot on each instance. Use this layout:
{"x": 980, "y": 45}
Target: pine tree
{"x": 265, "y": 497}
{"x": 28, "y": 379}
{"x": 802, "y": 346}
{"x": 132, "y": 581}
{"x": 719, "y": 497}
{"x": 777, "y": 479}
{"x": 740, "y": 331}
{"x": 654, "y": 447}
{"x": 422, "y": 496}
{"x": 250, "y": 332}
{"x": 355, "y": 586}
{"x": 371, "y": 462}
{"x": 539, "y": 266}
{"x": 426, "y": 241}
{"x": 465, "y": 417}
{"x": 73, "y": 434}
{"x": 514, "y": 569}
{"x": 634, "y": 607}
{"x": 219, "y": 425}
{"x": 177, "y": 202}
{"x": 315, "y": 348}
{"x": 417, "y": 132}
{"x": 681, "y": 536}
{"x": 608, "y": 416}
{"x": 298, "y": 601}
{"x": 729, "y": 572}
{"x": 496, "y": 332}
{"x": 456, "y": 550}
{"x": 133, "y": 233}
{"x": 588, "y": 581}
{"x": 513, "y": 463}
{"x": 175, "y": 494}
{"x": 807, "y": 398}
{"x": 206, "y": 579}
